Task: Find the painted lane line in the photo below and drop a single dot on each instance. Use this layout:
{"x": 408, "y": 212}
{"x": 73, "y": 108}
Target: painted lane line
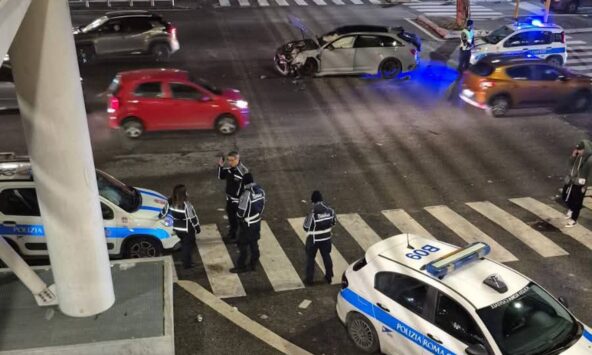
{"x": 535, "y": 240}
{"x": 320, "y": 2}
{"x": 575, "y": 42}
{"x": 357, "y": 2}
{"x": 224, "y": 3}
{"x": 301, "y": 3}
{"x": 217, "y": 263}
{"x": 244, "y": 3}
{"x": 275, "y": 262}
{"x": 238, "y": 318}
{"x": 263, "y": 3}
{"x": 405, "y": 223}
{"x": 282, "y": 2}
{"x": 338, "y": 2}
{"x": 469, "y": 233}
{"x": 359, "y": 230}
{"x": 555, "y": 218}
{"x": 580, "y": 67}
{"x": 339, "y": 263}
{"x": 530, "y": 7}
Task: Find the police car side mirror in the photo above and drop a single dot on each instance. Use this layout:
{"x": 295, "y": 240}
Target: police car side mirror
{"x": 564, "y": 302}
{"x": 476, "y": 349}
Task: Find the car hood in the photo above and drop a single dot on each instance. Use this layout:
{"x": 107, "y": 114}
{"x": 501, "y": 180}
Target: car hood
{"x": 294, "y": 47}
{"x": 152, "y": 204}
{"x": 583, "y": 346}
{"x": 481, "y": 46}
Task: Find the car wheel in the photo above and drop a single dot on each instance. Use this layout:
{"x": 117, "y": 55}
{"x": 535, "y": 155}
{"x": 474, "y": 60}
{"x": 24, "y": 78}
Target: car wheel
{"x": 362, "y": 333}
{"x": 572, "y": 7}
{"x": 555, "y": 60}
{"x": 581, "y": 101}
{"x": 390, "y": 69}
{"x": 132, "y": 128}
{"x": 499, "y": 106}
{"x": 309, "y": 68}
{"x": 142, "y": 247}
{"x": 161, "y": 52}
{"x": 226, "y": 125}
{"x": 86, "y": 54}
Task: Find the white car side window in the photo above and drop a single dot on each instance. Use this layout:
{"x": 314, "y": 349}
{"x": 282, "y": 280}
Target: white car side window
{"x": 344, "y": 42}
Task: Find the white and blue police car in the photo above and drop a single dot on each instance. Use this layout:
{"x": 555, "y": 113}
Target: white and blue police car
{"x": 414, "y": 295}
{"x": 531, "y": 38}
{"x": 130, "y": 214}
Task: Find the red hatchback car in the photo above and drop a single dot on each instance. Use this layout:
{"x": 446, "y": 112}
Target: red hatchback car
{"x": 168, "y": 99}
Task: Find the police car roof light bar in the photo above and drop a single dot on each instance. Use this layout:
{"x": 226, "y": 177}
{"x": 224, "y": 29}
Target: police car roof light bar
{"x": 457, "y": 259}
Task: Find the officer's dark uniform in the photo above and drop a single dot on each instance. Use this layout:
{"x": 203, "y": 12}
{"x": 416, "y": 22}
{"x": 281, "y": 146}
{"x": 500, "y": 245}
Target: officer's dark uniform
{"x": 186, "y": 225}
{"x": 250, "y": 210}
{"x": 318, "y": 225}
{"x": 234, "y": 187}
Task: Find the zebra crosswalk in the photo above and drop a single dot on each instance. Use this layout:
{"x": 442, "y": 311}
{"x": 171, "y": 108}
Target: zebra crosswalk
{"x": 277, "y": 265}
{"x": 286, "y": 3}
{"x": 448, "y": 9}
{"x": 579, "y": 57}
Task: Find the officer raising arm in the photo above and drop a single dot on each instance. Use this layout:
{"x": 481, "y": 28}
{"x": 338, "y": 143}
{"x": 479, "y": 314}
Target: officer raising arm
{"x": 233, "y": 174}
{"x": 318, "y": 225}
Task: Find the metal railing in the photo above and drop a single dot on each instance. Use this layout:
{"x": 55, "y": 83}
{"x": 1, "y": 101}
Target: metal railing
{"x": 130, "y": 2}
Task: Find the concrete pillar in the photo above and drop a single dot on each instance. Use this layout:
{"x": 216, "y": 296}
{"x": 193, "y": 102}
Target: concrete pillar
{"x": 49, "y": 92}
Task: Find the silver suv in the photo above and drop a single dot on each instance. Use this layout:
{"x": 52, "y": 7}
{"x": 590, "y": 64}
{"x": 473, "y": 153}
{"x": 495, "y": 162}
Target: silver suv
{"x": 122, "y": 33}
{"x": 358, "y": 49}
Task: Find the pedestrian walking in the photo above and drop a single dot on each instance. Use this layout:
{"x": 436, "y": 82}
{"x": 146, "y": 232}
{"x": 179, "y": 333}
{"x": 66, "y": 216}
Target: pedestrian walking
{"x": 233, "y": 174}
{"x": 185, "y": 222}
{"x": 576, "y": 183}
{"x": 250, "y": 210}
{"x": 467, "y": 42}
{"x": 318, "y": 225}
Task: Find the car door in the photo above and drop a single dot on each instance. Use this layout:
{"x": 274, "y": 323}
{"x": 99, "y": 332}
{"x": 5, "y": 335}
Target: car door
{"x": 134, "y": 31}
{"x": 401, "y": 315}
{"x": 190, "y": 107}
{"x": 148, "y": 102}
{"x": 516, "y": 44}
{"x": 110, "y": 215}
{"x": 525, "y": 88}
{"x": 108, "y": 38}
{"x": 369, "y": 53}
{"x": 552, "y": 89}
{"x": 338, "y": 56}
{"x": 21, "y": 220}
{"x": 455, "y": 327}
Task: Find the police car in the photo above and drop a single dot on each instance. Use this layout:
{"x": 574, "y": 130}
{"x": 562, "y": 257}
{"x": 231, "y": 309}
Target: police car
{"x": 130, "y": 214}
{"x": 530, "y": 38}
{"x": 414, "y": 295}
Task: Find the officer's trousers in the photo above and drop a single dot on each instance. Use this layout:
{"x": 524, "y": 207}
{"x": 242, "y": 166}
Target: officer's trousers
{"x": 248, "y": 240}
{"x": 311, "y": 253}
{"x": 231, "y": 209}
{"x": 464, "y": 59}
{"x": 187, "y": 246}
{"x": 573, "y": 195}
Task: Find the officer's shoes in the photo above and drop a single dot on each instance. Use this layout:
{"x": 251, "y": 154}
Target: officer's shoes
{"x": 238, "y": 270}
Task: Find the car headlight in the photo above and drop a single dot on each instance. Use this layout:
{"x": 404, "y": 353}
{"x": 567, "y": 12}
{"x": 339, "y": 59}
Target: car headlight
{"x": 167, "y": 221}
{"x": 242, "y": 104}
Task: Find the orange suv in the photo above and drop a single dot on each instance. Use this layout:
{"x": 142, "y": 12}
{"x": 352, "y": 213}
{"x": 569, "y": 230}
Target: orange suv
{"x": 500, "y": 83}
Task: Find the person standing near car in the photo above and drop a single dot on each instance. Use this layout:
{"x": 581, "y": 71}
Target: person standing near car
{"x": 318, "y": 225}
{"x": 250, "y": 210}
{"x": 233, "y": 174}
{"x": 467, "y": 42}
{"x": 185, "y": 222}
{"x": 576, "y": 183}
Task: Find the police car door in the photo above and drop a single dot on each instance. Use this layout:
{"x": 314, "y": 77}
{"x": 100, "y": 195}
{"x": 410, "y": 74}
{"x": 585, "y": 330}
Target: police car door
{"x": 401, "y": 314}
{"x": 454, "y": 326}
{"x": 21, "y": 220}
{"x": 110, "y": 217}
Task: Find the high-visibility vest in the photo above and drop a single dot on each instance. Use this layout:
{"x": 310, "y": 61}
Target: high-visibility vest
{"x": 467, "y": 38}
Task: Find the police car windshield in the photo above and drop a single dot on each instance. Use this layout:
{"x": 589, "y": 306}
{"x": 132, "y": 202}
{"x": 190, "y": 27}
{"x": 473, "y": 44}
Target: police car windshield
{"x": 495, "y": 36}
{"x": 118, "y": 193}
{"x": 529, "y": 322}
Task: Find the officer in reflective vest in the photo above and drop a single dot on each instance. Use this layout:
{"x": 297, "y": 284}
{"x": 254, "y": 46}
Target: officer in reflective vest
{"x": 233, "y": 174}
{"x": 467, "y": 41}
{"x": 318, "y": 225}
{"x": 250, "y": 210}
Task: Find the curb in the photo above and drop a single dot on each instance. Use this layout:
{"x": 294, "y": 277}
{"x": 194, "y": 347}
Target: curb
{"x": 442, "y": 32}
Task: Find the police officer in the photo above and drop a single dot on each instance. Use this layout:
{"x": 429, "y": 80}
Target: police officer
{"x": 185, "y": 222}
{"x": 318, "y": 225}
{"x": 467, "y": 41}
{"x": 250, "y": 210}
{"x": 233, "y": 174}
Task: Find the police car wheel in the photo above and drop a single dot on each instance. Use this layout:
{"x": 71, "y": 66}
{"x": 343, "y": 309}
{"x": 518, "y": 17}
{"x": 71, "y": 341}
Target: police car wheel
{"x": 142, "y": 247}
{"x": 132, "y": 128}
{"x": 499, "y": 106}
{"x": 390, "y": 69}
{"x": 226, "y": 125}
{"x": 362, "y": 333}
{"x": 161, "y": 52}
{"x": 555, "y": 60}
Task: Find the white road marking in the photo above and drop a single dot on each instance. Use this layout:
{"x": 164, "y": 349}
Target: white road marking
{"x": 575, "y": 42}
{"x": 217, "y": 263}
{"x": 405, "y": 223}
{"x": 555, "y": 218}
{"x": 224, "y": 3}
{"x": 357, "y": 2}
{"x": 282, "y": 2}
{"x": 574, "y": 48}
{"x": 537, "y": 9}
{"x": 339, "y": 263}
{"x": 338, "y": 2}
{"x": 301, "y": 2}
{"x": 468, "y": 232}
{"x": 263, "y": 3}
{"x": 320, "y": 2}
{"x": 535, "y": 240}
{"x": 244, "y": 3}
{"x": 580, "y": 67}
{"x": 359, "y": 230}
{"x": 275, "y": 262}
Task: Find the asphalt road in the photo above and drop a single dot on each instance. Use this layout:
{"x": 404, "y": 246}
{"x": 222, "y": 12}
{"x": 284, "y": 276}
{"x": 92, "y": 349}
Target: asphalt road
{"x": 369, "y": 145}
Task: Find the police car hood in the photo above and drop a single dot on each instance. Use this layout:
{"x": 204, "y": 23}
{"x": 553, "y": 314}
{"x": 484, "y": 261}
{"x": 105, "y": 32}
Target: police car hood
{"x": 481, "y": 45}
{"x": 583, "y": 345}
{"x": 152, "y": 204}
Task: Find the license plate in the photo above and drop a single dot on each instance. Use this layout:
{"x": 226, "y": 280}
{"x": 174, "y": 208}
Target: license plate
{"x": 468, "y": 93}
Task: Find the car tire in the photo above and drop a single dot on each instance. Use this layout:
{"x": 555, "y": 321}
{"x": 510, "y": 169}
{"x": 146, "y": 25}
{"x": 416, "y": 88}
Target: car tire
{"x": 226, "y": 125}
{"x": 499, "y": 105}
{"x": 554, "y": 60}
{"x": 361, "y": 331}
{"x": 572, "y": 7}
{"x": 86, "y": 54}
{"x": 309, "y": 68}
{"x": 142, "y": 247}
{"x": 581, "y": 101}
{"x": 132, "y": 128}
{"x": 390, "y": 68}
{"x": 161, "y": 52}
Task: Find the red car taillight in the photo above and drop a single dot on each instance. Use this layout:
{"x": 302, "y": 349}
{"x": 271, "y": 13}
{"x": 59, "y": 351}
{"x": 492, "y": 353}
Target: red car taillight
{"x": 114, "y": 104}
{"x": 172, "y": 31}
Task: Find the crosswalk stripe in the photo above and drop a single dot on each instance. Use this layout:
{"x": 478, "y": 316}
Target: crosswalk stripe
{"x": 575, "y": 42}
{"x": 338, "y": 2}
{"x": 224, "y": 3}
{"x": 244, "y": 3}
{"x": 217, "y": 263}
{"x": 339, "y": 263}
{"x": 359, "y": 230}
{"x": 357, "y": 2}
{"x": 530, "y": 7}
{"x": 301, "y": 2}
{"x": 575, "y": 48}
{"x": 405, "y": 223}
{"x": 556, "y": 218}
{"x": 320, "y": 2}
{"x": 588, "y": 203}
{"x": 263, "y": 2}
{"x": 376, "y": 2}
{"x": 535, "y": 240}
{"x": 282, "y": 2}
{"x": 468, "y": 232}
{"x": 580, "y": 67}
{"x": 275, "y": 262}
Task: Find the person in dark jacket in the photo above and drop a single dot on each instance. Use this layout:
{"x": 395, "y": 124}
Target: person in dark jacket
{"x": 250, "y": 210}
{"x": 185, "y": 222}
{"x": 233, "y": 174}
{"x": 318, "y": 225}
{"x": 576, "y": 183}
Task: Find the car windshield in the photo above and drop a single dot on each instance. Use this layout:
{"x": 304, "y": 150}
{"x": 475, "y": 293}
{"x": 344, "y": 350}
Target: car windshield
{"x": 118, "y": 193}
{"x": 529, "y": 322}
{"x": 495, "y": 36}
{"x": 96, "y": 23}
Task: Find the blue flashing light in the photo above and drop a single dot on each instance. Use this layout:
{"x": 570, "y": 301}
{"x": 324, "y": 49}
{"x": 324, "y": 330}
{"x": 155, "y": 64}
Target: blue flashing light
{"x": 457, "y": 259}
{"x": 537, "y": 23}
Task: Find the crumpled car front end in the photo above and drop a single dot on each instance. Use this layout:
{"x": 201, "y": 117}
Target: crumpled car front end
{"x": 292, "y": 55}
